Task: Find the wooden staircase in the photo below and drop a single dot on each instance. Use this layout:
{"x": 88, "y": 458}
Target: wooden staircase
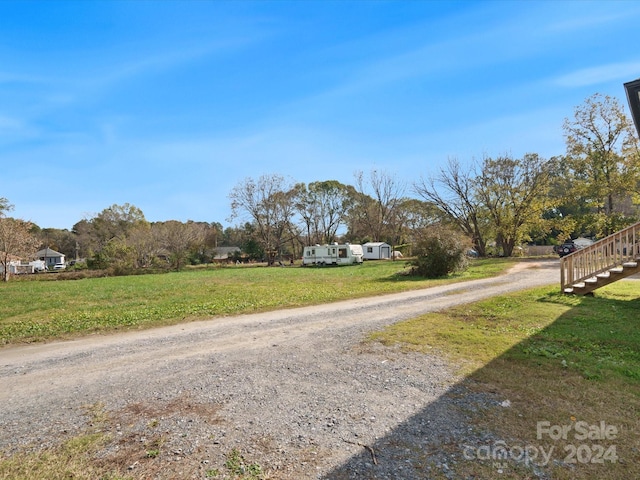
{"x": 606, "y": 261}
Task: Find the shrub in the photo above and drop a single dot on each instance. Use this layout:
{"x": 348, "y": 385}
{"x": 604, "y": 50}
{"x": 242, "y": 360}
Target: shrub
{"x": 439, "y": 251}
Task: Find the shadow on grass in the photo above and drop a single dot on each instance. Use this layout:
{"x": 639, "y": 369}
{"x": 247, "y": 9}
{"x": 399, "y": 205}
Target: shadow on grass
{"x": 580, "y": 375}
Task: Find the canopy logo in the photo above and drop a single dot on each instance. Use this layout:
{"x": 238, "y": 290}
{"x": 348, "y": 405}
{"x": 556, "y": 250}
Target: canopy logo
{"x": 593, "y": 447}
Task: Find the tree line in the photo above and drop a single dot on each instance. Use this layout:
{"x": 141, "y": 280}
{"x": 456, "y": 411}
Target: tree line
{"x": 496, "y": 203}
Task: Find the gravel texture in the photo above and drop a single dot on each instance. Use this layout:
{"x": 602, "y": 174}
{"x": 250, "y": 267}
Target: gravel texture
{"x": 296, "y": 392}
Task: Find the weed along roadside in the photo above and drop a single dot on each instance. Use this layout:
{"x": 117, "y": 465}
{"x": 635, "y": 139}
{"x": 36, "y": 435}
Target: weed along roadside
{"x": 562, "y": 375}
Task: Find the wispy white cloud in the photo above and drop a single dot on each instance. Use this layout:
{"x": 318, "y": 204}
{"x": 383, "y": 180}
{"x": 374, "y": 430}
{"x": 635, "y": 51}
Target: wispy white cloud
{"x": 10, "y": 123}
{"x": 624, "y": 71}
{"x": 475, "y": 52}
{"x": 590, "y": 18}
{"x": 15, "y": 129}
{"x": 528, "y": 33}
{"x": 144, "y": 63}
{"x": 17, "y": 77}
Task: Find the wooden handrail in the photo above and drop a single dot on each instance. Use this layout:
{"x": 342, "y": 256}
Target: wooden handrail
{"x": 602, "y": 256}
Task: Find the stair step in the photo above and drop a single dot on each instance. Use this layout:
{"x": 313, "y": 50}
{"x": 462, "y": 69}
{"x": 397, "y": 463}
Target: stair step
{"x": 588, "y": 269}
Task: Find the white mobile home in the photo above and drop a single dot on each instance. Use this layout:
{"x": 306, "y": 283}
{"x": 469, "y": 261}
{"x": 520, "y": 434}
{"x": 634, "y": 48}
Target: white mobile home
{"x": 376, "y": 250}
{"x": 332, "y": 254}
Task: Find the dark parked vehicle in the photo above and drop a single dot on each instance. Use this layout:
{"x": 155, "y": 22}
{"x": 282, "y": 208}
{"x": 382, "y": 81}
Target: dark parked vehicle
{"x": 565, "y": 249}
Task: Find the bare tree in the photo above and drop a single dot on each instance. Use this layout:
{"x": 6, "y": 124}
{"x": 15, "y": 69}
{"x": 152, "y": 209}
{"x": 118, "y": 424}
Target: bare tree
{"x": 142, "y": 244}
{"x": 269, "y": 203}
{"x": 4, "y": 206}
{"x": 178, "y": 238}
{"x": 377, "y": 199}
{"x": 453, "y": 193}
{"x": 16, "y": 240}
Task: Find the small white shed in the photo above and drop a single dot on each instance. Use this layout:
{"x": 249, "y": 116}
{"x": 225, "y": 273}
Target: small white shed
{"x": 376, "y": 251}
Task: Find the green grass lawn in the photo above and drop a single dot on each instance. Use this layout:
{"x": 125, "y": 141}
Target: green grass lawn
{"x": 41, "y": 310}
{"x": 556, "y": 358}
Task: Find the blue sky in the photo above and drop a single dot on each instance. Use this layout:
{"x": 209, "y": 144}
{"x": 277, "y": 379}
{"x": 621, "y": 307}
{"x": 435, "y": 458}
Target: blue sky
{"x": 167, "y": 105}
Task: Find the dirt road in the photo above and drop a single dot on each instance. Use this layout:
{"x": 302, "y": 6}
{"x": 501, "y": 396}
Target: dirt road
{"x": 294, "y": 390}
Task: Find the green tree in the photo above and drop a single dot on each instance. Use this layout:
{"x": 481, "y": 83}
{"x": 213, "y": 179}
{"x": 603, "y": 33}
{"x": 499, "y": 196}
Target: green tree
{"x": 438, "y": 252}
{"x": 410, "y": 218}
{"x": 565, "y": 218}
{"x": 61, "y": 240}
{"x": 104, "y": 238}
{"x": 504, "y": 197}
{"x": 515, "y": 193}
{"x": 116, "y": 221}
{"x": 324, "y": 208}
{"x": 602, "y": 156}
{"x": 203, "y": 251}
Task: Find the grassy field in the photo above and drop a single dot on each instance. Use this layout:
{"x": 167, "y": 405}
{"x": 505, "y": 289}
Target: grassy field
{"x": 561, "y": 362}
{"x": 41, "y": 310}
{"x": 556, "y": 362}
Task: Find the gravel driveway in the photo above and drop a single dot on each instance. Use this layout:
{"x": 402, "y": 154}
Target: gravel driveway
{"x": 295, "y": 391}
